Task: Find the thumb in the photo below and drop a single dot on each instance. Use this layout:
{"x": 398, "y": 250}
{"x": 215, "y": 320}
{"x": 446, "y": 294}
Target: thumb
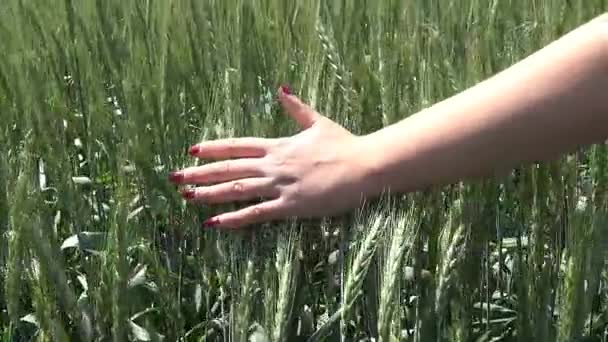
{"x": 299, "y": 111}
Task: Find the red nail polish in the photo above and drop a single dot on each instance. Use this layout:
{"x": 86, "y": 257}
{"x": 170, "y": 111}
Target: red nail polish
{"x": 188, "y": 194}
{"x": 176, "y": 177}
{"x": 214, "y": 221}
{"x": 285, "y": 89}
{"x": 194, "y": 150}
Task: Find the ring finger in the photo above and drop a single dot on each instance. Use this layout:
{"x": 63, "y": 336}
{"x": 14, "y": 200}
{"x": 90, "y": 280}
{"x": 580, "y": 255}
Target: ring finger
{"x": 240, "y": 190}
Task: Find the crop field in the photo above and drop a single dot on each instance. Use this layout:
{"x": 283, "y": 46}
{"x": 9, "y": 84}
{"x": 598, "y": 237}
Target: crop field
{"x": 100, "y": 100}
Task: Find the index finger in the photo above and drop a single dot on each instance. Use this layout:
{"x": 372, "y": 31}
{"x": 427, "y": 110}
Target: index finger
{"x": 231, "y": 148}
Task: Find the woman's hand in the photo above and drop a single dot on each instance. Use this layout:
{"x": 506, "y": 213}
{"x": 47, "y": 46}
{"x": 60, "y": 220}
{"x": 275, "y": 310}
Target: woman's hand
{"x": 317, "y": 172}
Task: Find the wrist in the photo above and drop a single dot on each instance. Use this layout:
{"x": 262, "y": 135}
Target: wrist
{"x": 373, "y": 166}
{"x": 392, "y": 158}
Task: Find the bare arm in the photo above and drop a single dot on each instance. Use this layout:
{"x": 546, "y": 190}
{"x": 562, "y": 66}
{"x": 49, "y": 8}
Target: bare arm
{"x": 547, "y": 104}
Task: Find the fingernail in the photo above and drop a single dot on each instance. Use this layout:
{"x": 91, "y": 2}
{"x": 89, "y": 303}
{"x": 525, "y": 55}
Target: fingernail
{"x": 188, "y": 194}
{"x": 176, "y": 177}
{"x": 211, "y": 222}
{"x": 285, "y": 89}
{"x": 194, "y": 150}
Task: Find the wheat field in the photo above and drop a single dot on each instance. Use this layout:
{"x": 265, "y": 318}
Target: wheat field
{"x": 99, "y": 100}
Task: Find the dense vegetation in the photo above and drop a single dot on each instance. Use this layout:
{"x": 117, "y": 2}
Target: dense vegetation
{"x": 99, "y": 100}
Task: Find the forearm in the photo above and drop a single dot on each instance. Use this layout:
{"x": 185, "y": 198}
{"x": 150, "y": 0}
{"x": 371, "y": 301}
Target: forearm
{"x": 549, "y": 103}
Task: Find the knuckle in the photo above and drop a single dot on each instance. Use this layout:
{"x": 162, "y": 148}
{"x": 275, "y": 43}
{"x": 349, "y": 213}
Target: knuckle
{"x": 278, "y": 143}
{"x": 202, "y": 194}
{"x": 283, "y": 166}
{"x": 292, "y": 195}
{"x": 296, "y": 191}
{"x": 231, "y": 144}
{"x": 238, "y": 188}
{"x": 274, "y": 158}
{"x": 257, "y": 212}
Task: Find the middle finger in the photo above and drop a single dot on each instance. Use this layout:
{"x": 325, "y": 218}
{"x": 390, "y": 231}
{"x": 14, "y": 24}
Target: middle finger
{"x": 221, "y": 171}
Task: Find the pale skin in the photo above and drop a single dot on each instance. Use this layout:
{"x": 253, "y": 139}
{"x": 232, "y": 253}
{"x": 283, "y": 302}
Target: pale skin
{"x": 550, "y": 103}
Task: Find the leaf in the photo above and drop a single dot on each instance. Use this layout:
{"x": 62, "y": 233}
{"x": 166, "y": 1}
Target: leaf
{"x": 70, "y": 242}
{"x": 86, "y": 325}
{"x": 510, "y": 243}
{"x": 151, "y": 286}
{"x": 258, "y": 334}
{"x": 306, "y": 325}
{"x": 56, "y": 222}
{"x": 139, "y": 278}
{"x": 139, "y": 333}
{"x": 83, "y": 282}
{"x": 144, "y": 312}
{"x": 82, "y": 180}
{"x": 134, "y": 213}
{"x": 92, "y": 242}
{"x": 495, "y": 308}
{"x": 30, "y": 318}
{"x": 198, "y": 297}
{"x": 332, "y": 259}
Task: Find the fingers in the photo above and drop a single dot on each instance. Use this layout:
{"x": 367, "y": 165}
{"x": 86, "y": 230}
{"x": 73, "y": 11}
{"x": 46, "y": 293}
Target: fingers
{"x": 218, "y": 172}
{"x": 231, "y": 148}
{"x": 240, "y": 190}
{"x": 240, "y": 177}
{"x": 302, "y": 113}
{"x": 263, "y": 212}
